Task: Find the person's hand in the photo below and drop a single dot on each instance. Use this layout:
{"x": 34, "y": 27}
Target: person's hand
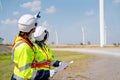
{"x": 52, "y": 72}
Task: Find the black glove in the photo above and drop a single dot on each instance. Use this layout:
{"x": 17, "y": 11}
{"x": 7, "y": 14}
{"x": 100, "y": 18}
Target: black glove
{"x": 57, "y": 63}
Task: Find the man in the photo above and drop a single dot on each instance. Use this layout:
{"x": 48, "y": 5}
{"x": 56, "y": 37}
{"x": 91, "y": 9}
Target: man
{"x": 25, "y": 53}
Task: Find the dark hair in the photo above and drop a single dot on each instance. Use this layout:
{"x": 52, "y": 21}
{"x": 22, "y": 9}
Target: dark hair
{"x": 23, "y": 34}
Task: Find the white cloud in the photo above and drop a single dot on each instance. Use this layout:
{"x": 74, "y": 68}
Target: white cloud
{"x": 51, "y": 9}
{"x": 89, "y": 13}
{"x": 9, "y": 22}
{"x": 117, "y": 1}
{"x": 33, "y": 6}
{"x": 15, "y": 13}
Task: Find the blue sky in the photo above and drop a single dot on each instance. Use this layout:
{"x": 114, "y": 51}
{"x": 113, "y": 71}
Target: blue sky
{"x": 66, "y": 17}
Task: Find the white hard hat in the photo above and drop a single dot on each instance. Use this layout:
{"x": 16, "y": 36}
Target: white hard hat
{"x": 40, "y": 33}
{"x": 27, "y": 22}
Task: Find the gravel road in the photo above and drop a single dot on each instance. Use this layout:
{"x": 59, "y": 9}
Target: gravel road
{"x": 104, "y": 66}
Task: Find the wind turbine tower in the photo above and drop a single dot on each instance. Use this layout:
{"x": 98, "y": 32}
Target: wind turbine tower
{"x": 83, "y": 35}
{"x": 102, "y": 29}
{"x": 56, "y": 37}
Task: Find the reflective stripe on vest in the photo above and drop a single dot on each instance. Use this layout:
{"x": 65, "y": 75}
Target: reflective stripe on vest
{"x": 17, "y": 77}
{"x": 32, "y": 78}
{"x": 24, "y": 67}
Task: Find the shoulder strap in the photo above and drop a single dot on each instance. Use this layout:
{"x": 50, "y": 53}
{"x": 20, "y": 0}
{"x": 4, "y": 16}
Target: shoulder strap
{"x": 24, "y": 40}
{"x": 27, "y": 43}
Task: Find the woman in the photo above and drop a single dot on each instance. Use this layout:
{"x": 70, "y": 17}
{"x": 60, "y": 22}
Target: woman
{"x": 41, "y": 35}
{"x": 25, "y": 53}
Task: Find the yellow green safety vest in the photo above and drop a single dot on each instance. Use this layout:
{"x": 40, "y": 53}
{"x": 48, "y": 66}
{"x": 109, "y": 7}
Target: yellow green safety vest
{"x": 28, "y": 59}
{"x": 46, "y": 51}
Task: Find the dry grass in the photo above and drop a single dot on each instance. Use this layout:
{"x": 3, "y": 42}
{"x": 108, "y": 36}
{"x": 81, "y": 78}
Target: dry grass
{"x": 82, "y": 46}
{"x": 80, "y": 63}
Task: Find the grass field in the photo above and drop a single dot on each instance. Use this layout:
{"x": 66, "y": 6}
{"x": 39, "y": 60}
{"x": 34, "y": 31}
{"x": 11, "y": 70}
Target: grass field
{"x": 6, "y": 64}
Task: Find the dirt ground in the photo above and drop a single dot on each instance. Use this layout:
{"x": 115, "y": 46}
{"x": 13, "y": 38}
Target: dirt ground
{"x": 101, "y": 67}
{"x": 72, "y": 72}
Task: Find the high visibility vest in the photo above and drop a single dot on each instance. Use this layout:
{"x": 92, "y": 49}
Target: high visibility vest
{"x": 48, "y": 53}
{"x": 27, "y": 59}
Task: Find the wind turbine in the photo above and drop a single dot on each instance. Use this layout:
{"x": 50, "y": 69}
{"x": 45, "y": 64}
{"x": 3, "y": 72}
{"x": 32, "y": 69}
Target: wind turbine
{"x": 55, "y": 34}
{"x": 102, "y": 29}
{"x": 83, "y": 35}
{"x": 56, "y": 37}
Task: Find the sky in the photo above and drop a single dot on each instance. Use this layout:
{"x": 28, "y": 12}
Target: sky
{"x": 64, "y": 19}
